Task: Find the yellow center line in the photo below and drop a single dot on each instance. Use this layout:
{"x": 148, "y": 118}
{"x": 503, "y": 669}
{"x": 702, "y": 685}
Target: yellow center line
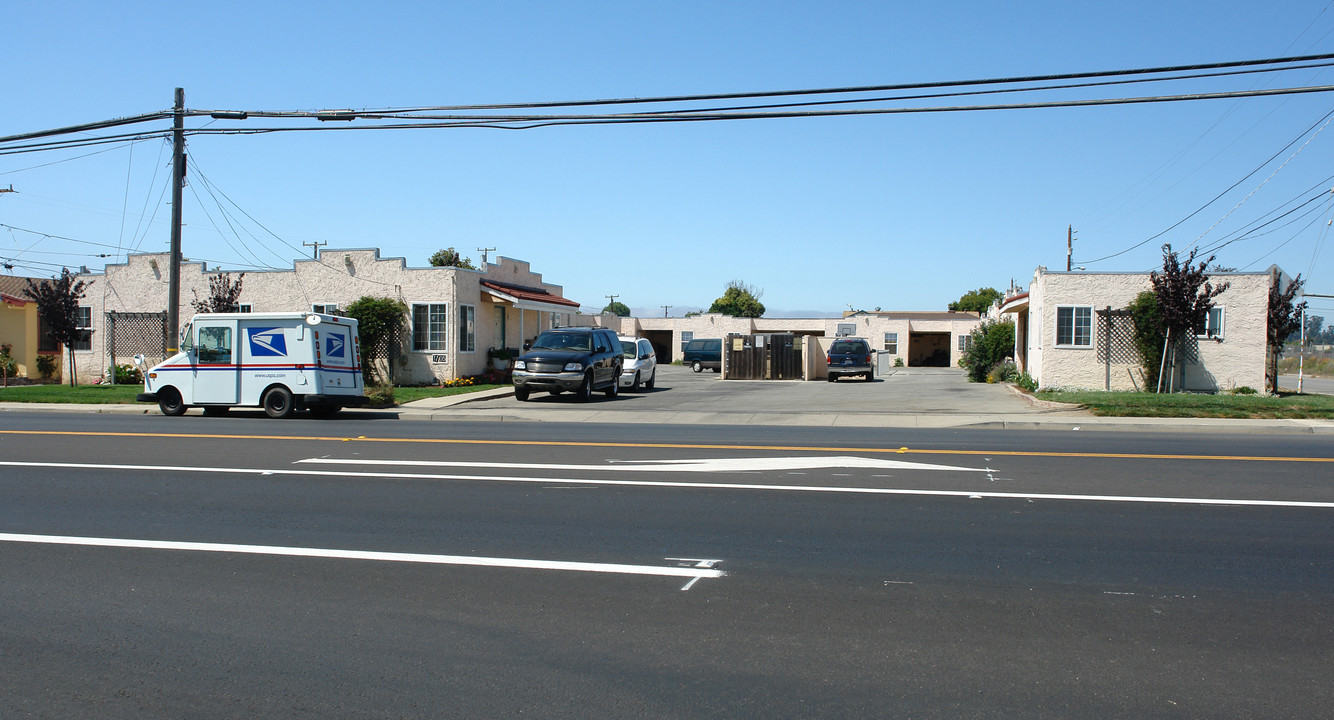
{"x": 678, "y": 446}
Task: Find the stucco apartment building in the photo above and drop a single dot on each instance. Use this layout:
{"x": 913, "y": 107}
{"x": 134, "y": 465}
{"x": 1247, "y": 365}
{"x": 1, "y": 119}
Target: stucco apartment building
{"x": 1069, "y": 333}
{"x": 916, "y": 338}
{"x": 454, "y": 315}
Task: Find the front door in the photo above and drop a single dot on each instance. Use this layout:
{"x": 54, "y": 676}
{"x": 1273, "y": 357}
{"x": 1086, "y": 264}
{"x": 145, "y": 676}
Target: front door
{"x": 217, "y": 362}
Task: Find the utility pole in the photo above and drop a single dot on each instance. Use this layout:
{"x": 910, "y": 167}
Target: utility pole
{"x": 1069, "y": 245}
{"x": 611, "y": 300}
{"x": 664, "y": 310}
{"x": 177, "y": 184}
{"x": 484, "y": 251}
{"x": 315, "y": 249}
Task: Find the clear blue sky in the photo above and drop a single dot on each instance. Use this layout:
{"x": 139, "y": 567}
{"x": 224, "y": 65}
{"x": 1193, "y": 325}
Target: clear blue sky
{"x": 902, "y": 212}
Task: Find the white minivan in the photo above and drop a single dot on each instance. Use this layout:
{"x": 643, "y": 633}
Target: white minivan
{"x": 278, "y": 361}
{"x": 641, "y": 363}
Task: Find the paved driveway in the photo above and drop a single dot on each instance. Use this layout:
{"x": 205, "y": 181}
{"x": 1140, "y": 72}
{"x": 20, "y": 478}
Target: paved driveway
{"x": 929, "y": 397}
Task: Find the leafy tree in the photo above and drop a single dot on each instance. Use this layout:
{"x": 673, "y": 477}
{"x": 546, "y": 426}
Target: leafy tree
{"x": 58, "y": 306}
{"x": 379, "y": 321}
{"x": 739, "y": 300}
{"x": 1184, "y": 296}
{"x": 978, "y": 301}
{"x": 991, "y": 344}
{"x": 1149, "y": 336}
{"x": 1314, "y": 323}
{"x": 619, "y": 309}
{"x": 223, "y": 295}
{"x": 451, "y": 258}
{"x": 1284, "y": 318}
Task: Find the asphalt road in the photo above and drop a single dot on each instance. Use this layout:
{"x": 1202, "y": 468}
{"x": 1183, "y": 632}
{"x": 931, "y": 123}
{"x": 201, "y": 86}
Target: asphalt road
{"x": 359, "y": 568}
{"x": 1323, "y": 386}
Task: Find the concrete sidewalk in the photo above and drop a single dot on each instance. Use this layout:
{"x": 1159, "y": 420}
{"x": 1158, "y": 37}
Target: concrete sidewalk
{"x": 483, "y": 407}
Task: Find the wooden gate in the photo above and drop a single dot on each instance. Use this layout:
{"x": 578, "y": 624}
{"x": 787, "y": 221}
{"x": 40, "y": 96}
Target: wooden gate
{"x": 762, "y": 357}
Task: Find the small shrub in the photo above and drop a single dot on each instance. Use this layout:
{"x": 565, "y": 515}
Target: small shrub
{"x": 898, "y": 362}
{"x": 1004, "y": 372}
{"x": 1026, "y": 381}
{"x": 381, "y": 395}
{"x": 8, "y": 365}
{"x": 990, "y": 344}
{"x": 127, "y": 375}
{"x": 1244, "y": 390}
{"x": 47, "y": 365}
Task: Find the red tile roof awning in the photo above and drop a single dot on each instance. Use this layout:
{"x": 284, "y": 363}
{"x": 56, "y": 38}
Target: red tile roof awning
{"x": 528, "y": 298}
{"x": 11, "y": 300}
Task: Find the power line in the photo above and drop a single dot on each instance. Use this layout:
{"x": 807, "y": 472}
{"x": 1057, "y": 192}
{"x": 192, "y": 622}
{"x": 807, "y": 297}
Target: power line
{"x": 1216, "y": 198}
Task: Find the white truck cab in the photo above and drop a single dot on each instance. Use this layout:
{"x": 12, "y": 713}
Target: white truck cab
{"x": 278, "y": 361}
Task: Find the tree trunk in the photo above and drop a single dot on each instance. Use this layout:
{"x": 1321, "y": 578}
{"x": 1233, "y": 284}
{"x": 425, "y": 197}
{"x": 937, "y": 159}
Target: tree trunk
{"x": 73, "y": 371}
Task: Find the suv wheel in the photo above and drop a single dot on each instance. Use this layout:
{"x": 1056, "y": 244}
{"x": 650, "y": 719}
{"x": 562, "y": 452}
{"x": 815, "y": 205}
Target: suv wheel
{"x": 615, "y": 387}
{"x": 697, "y": 366}
{"x": 585, "y": 390}
{"x": 521, "y": 394}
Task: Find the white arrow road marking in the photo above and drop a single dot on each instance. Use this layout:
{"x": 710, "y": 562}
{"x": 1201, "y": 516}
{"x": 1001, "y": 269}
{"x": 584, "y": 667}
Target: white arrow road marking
{"x": 695, "y": 562}
{"x": 685, "y": 485}
{"x": 714, "y": 465}
{"x": 695, "y": 573}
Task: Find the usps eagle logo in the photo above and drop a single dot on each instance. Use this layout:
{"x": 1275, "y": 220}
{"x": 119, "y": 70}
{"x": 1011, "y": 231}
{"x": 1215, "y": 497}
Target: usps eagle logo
{"x": 268, "y": 342}
{"x": 334, "y": 346}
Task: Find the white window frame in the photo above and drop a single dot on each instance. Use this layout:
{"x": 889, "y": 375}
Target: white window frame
{"x": 84, "y": 324}
{"x": 244, "y": 308}
{"x": 892, "y": 345}
{"x": 965, "y": 342}
{"x": 686, "y": 337}
{"x": 1213, "y": 328}
{"x": 467, "y": 328}
{"x": 425, "y": 341}
{"x": 1075, "y": 311}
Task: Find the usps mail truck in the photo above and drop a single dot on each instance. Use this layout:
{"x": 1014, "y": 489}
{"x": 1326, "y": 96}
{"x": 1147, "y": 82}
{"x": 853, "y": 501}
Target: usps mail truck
{"x": 281, "y": 362}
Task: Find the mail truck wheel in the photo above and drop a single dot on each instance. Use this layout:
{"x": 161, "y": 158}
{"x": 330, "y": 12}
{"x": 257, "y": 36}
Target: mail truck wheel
{"x": 278, "y": 402}
{"x": 170, "y": 403}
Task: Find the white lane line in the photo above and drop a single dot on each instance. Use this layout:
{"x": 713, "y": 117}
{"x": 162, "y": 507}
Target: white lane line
{"x": 708, "y": 465}
{"x": 689, "y": 485}
{"x": 694, "y": 573}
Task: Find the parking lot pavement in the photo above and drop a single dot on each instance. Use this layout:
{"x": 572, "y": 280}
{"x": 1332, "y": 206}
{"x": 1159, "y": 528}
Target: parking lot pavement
{"x": 904, "y": 397}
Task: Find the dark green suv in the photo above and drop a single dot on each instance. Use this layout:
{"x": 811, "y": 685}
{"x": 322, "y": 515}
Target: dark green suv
{"x": 850, "y": 356}
{"x": 700, "y": 354}
{"x": 579, "y": 360}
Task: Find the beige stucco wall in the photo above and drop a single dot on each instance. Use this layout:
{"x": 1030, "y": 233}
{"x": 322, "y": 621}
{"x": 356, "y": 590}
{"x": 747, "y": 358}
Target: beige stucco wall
{"x": 1234, "y": 360}
{"x": 869, "y": 325}
{"x": 339, "y": 277}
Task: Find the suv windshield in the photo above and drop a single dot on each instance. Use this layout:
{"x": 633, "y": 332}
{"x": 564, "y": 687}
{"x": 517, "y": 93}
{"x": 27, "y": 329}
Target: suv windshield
{"x": 848, "y": 346}
{"x": 562, "y": 341}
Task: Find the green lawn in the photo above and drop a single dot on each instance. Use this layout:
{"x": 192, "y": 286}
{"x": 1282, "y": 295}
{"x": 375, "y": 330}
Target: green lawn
{"x": 82, "y": 394}
{"x": 1130, "y": 404}
{"x": 408, "y": 394}
{"x": 119, "y": 394}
